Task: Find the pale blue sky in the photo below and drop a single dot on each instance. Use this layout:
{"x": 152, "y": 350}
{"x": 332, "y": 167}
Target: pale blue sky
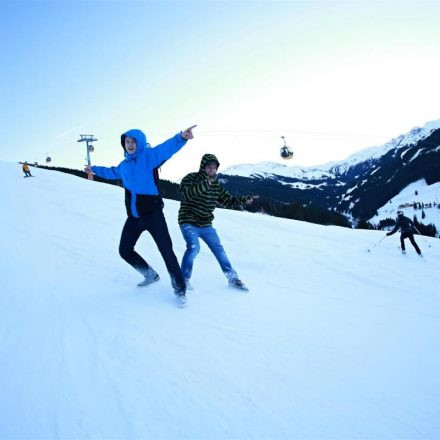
{"x": 332, "y": 76}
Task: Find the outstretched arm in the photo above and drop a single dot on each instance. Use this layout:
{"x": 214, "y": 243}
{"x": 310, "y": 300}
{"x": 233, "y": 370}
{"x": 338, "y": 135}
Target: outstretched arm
{"x": 109, "y": 173}
{"x": 396, "y": 227}
{"x": 164, "y": 151}
{"x": 230, "y": 201}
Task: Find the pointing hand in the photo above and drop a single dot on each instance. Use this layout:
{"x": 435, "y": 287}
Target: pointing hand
{"x": 187, "y": 134}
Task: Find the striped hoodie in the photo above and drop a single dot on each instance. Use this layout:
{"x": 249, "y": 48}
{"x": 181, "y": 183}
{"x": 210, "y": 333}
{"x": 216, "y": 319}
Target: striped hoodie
{"x": 199, "y": 198}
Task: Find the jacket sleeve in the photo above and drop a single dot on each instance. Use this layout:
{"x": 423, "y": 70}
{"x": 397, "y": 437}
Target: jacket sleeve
{"x": 163, "y": 152}
{"x": 396, "y": 227}
{"x": 110, "y": 173}
{"x": 190, "y": 190}
{"x": 229, "y": 201}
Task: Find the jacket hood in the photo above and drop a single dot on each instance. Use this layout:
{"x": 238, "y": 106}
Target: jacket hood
{"x": 141, "y": 142}
{"x": 206, "y": 159}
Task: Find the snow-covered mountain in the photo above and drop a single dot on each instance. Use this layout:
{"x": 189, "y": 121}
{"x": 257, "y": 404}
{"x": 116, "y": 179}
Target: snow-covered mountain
{"x": 332, "y": 341}
{"x": 333, "y": 169}
{"x": 268, "y": 169}
{"x": 418, "y": 200}
{"x": 357, "y": 186}
{"x": 372, "y": 153}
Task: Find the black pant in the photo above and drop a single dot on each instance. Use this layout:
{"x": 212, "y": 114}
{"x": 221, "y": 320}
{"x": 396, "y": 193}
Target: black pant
{"x": 411, "y": 239}
{"x": 27, "y": 174}
{"x": 156, "y": 225}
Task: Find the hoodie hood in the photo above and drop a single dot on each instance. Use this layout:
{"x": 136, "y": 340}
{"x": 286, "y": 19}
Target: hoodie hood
{"x": 141, "y": 142}
{"x": 206, "y": 159}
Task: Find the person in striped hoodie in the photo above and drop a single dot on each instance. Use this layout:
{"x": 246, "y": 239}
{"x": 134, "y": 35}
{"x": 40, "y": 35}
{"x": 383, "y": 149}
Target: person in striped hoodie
{"x": 200, "y": 194}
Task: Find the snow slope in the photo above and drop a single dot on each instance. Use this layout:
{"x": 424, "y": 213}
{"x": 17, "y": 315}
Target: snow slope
{"x": 331, "y": 341}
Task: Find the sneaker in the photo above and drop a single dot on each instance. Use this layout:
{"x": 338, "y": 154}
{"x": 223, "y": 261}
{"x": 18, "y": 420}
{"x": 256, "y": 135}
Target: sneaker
{"x": 188, "y": 285}
{"x": 150, "y": 277}
{"x": 238, "y": 284}
{"x": 181, "y": 300}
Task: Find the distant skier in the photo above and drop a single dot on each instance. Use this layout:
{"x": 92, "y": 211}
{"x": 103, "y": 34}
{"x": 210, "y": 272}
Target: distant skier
{"x": 26, "y": 171}
{"x": 406, "y": 227}
{"x": 200, "y": 194}
{"x": 144, "y": 204}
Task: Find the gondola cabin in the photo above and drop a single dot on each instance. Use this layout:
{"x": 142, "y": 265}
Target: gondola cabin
{"x": 285, "y": 151}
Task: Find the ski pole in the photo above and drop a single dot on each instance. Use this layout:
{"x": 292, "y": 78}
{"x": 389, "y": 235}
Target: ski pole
{"x": 422, "y": 237}
{"x": 372, "y": 247}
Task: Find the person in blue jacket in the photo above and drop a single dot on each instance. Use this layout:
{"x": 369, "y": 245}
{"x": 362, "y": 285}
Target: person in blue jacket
{"x": 138, "y": 173}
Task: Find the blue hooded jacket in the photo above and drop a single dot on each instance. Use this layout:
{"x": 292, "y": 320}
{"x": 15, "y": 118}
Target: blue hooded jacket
{"x": 136, "y": 171}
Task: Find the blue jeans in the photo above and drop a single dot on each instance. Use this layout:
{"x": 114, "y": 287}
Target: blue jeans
{"x": 208, "y": 234}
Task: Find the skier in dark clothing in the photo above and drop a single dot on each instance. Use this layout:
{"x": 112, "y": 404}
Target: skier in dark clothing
{"x": 144, "y": 204}
{"x": 406, "y": 227}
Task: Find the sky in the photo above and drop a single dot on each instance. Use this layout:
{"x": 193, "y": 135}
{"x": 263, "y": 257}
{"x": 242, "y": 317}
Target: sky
{"x": 333, "y": 77}
{"x": 330, "y": 342}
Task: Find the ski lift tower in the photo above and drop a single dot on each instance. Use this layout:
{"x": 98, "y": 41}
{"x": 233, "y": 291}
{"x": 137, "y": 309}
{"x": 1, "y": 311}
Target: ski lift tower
{"x": 88, "y": 138}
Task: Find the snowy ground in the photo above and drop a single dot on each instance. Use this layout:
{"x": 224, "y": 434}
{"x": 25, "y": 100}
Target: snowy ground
{"x": 331, "y": 341}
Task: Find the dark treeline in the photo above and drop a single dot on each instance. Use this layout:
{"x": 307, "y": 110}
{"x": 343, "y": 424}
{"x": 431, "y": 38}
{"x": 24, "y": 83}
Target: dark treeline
{"x": 298, "y": 211}
{"x": 266, "y": 205}
{"x": 79, "y": 173}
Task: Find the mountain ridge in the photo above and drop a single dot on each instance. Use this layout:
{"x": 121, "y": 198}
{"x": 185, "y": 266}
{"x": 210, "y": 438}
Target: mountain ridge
{"x": 357, "y": 186}
{"x": 336, "y": 167}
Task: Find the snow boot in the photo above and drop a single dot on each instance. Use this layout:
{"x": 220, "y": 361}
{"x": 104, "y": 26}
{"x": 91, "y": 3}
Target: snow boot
{"x": 181, "y": 300}
{"x": 403, "y": 252}
{"x": 151, "y": 276}
{"x": 179, "y": 291}
{"x": 238, "y": 284}
{"x": 188, "y": 285}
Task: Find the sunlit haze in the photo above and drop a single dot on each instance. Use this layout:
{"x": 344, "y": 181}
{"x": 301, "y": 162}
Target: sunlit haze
{"x": 333, "y": 77}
